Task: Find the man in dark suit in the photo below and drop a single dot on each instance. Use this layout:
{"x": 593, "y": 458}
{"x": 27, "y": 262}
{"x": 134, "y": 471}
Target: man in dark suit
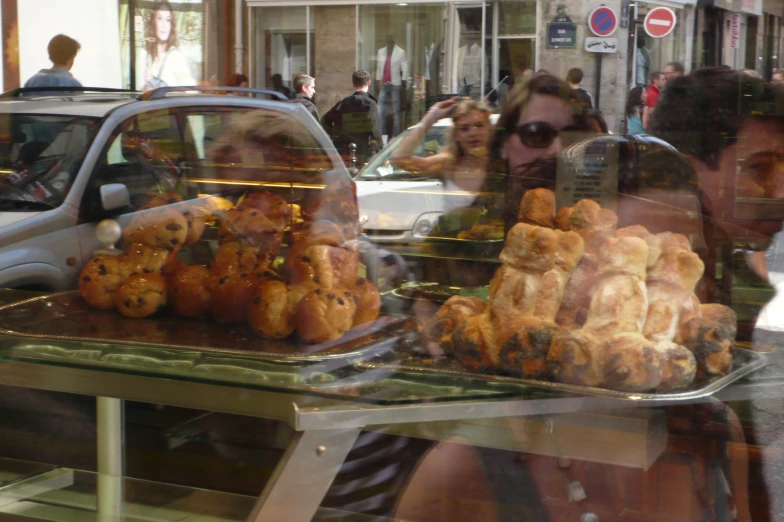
{"x": 354, "y": 119}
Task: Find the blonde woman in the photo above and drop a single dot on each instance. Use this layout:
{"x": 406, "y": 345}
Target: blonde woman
{"x": 465, "y": 157}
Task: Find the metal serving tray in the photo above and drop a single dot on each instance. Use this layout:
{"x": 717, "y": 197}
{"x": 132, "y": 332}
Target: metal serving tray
{"x": 66, "y": 317}
{"x": 744, "y": 362}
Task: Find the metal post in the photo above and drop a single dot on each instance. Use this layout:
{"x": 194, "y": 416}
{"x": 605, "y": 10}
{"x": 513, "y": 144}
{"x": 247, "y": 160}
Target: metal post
{"x": 597, "y": 90}
{"x": 109, "y": 425}
{"x": 132, "y": 34}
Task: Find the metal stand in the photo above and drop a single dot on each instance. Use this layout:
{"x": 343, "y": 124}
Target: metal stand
{"x": 110, "y": 425}
{"x": 303, "y": 475}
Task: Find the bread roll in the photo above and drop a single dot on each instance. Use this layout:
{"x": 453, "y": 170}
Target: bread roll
{"x": 632, "y": 363}
{"x": 271, "y": 205}
{"x": 189, "y": 291}
{"x": 537, "y": 207}
{"x": 619, "y": 303}
{"x": 722, "y": 314}
{"x": 270, "y": 314}
{"x": 524, "y": 346}
{"x": 679, "y": 366}
{"x": 324, "y": 314}
{"x": 576, "y": 300}
{"x": 577, "y": 357}
{"x": 141, "y": 295}
{"x": 157, "y": 227}
{"x": 530, "y": 247}
{"x": 99, "y": 279}
{"x": 327, "y": 266}
{"x": 679, "y": 267}
{"x": 474, "y": 344}
{"x": 367, "y": 300}
{"x": 143, "y": 259}
{"x": 251, "y": 226}
{"x": 441, "y": 326}
{"x": 232, "y": 296}
{"x": 711, "y": 344}
{"x": 623, "y": 255}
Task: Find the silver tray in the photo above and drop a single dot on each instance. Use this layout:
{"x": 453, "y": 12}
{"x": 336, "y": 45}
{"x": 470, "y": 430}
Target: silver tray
{"x": 744, "y": 362}
{"x": 66, "y": 317}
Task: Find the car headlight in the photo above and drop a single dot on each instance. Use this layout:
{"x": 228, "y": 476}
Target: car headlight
{"x": 426, "y": 223}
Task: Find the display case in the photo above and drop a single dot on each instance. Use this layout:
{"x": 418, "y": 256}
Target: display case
{"x": 520, "y": 318}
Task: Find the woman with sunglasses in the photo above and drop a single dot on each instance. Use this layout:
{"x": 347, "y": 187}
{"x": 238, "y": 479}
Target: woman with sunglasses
{"x": 466, "y": 151}
{"x": 538, "y": 115}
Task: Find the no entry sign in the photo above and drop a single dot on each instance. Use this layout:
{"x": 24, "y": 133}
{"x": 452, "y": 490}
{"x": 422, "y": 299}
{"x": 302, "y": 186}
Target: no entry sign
{"x": 659, "y": 22}
{"x": 602, "y": 21}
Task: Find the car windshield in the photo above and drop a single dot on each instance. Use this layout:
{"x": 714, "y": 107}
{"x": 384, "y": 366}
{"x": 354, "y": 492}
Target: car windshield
{"x": 381, "y": 168}
{"x": 40, "y": 156}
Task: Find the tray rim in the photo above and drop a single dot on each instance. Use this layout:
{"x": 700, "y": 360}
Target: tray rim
{"x": 379, "y": 346}
{"x": 756, "y": 361}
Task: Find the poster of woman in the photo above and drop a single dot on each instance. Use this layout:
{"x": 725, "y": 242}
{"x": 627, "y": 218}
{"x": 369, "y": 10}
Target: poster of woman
{"x": 169, "y": 49}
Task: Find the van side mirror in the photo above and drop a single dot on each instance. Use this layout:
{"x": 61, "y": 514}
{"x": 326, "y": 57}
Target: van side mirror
{"x": 114, "y": 196}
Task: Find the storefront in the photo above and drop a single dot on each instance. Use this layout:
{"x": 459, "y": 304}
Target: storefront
{"x": 437, "y": 48}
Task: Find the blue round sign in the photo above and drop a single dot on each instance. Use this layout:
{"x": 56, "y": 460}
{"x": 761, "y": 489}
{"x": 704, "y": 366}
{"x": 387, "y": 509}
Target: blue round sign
{"x": 602, "y": 21}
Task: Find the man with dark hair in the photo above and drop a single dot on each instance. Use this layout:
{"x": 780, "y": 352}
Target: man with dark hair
{"x": 575, "y": 78}
{"x": 354, "y": 119}
{"x": 658, "y": 81}
{"x": 304, "y": 89}
{"x": 673, "y": 69}
{"x": 62, "y": 52}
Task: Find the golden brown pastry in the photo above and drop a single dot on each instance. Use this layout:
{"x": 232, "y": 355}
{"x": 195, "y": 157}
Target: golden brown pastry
{"x": 237, "y": 257}
{"x": 158, "y": 227}
{"x": 270, "y": 314}
{"x": 141, "y": 295}
{"x": 143, "y": 259}
{"x": 530, "y": 247}
{"x": 322, "y": 232}
{"x": 513, "y": 292}
{"x": 577, "y": 296}
{"x": 271, "y": 205}
{"x": 163, "y": 199}
{"x": 474, "y": 344}
{"x": 653, "y": 240}
{"x": 440, "y": 327}
{"x": 679, "y": 366}
{"x": 324, "y": 314}
{"x": 577, "y": 357}
{"x": 189, "y": 291}
{"x": 711, "y": 344}
{"x": 327, "y": 266}
{"x": 537, "y": 207}
{"x": 632, "y": 363}
{"x": 563, "y": 218}
{"x": 232, "y": 296}
{"x": 99, "y": 279}
{"x": 367, "y": 300}
{"x": 524, "y": 344}
{"x": 196, "y": 224}
{"x": 722, "y": 314}
{"x": 251, "y": 226}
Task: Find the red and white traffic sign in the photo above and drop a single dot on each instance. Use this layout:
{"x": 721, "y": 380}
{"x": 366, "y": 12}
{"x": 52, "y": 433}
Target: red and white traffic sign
{"x": 659, "y": 22}
{"x": 602, "y": 21}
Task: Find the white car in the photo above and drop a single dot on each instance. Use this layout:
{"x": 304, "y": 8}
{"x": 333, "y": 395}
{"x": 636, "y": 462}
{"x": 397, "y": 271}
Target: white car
{"x": 70, "y": 158}
{"x": 397, "y": 205}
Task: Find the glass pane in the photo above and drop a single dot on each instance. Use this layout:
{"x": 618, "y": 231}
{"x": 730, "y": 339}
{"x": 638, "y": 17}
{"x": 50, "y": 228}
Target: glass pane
{"x": 403, "y": 48}
{"x": 517, "y": 17}
{"x": 281, "y": 47}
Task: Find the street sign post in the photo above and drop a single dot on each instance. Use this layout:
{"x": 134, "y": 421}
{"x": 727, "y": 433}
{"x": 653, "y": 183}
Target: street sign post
{"x": 603, "y": 21}
{"x": 659, "y": 22}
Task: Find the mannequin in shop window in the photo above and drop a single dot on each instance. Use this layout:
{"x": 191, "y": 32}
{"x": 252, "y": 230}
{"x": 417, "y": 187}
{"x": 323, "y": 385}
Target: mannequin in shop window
{"x": 433, "y": 69}
{"x": 470, "y": 68}
{"x": 391, "y": 77}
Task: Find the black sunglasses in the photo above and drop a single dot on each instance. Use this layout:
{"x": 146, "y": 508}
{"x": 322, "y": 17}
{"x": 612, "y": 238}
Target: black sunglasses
{"x": 539, "y": 134}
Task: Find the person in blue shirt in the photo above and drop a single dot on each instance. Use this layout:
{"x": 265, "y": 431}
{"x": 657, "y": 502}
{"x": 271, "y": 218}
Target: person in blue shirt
{"x": 62, "y": 51}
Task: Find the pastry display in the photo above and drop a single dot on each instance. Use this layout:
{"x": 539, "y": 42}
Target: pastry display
{"x": 580, "y": 302}
{"x": 318, "y": 296}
